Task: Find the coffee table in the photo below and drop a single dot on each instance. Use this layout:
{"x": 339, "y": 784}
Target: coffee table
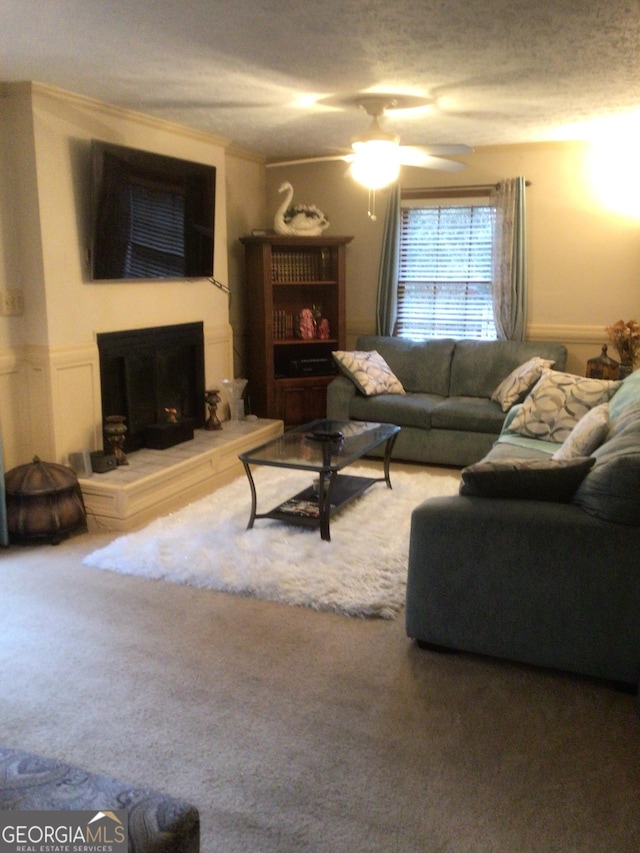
{"x": 323, "y": 447}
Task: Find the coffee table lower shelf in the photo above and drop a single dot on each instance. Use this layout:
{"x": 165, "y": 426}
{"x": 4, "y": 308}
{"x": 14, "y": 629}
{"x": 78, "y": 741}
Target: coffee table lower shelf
{"x": 304, "y": 510}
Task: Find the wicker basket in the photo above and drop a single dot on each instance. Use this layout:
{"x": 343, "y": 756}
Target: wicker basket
{"x": 44, "y": 502}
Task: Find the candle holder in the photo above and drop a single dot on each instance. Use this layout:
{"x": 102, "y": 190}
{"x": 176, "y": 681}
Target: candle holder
{"x": 115, "y": 430}
{"x": 212, "y": 398}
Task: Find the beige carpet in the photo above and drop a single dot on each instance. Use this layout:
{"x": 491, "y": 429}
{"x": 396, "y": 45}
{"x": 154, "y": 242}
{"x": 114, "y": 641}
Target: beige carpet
{"x": 295, "y": 731}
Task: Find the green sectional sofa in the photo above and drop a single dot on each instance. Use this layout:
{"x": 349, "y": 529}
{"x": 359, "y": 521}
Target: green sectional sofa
{"x": 447, "y": 415}
{"x": 552, "y": 582}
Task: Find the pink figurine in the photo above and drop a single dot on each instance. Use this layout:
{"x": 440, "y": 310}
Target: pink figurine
{"x": 323, "y": 329}
{"x": 307, "y": 327}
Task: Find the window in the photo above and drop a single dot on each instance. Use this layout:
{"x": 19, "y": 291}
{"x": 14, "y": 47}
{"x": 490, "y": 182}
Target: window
{"x": 444, "y": 275}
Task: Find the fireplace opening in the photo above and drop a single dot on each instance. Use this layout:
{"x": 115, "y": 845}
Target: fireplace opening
{"x": 143, "y": 372}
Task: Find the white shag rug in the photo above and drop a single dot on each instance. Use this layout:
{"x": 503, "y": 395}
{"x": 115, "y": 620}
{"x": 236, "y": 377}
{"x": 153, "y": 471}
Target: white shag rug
{"x": 362, "y": 571}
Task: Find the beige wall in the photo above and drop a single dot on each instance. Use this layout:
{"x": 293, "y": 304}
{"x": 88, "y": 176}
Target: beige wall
{"x": 583, "y": 258}
{"x": 246, "y": 210}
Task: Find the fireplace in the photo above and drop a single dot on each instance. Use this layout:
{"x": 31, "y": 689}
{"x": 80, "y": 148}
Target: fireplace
{"x": 143, "y": 372}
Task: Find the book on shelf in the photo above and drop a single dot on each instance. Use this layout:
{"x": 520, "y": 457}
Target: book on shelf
{"x": 290, "y": 266}
{"x": 282, "y": 325}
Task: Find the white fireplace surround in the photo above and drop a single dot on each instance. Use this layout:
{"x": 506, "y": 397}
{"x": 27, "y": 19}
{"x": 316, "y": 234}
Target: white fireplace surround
{"x": 63, "y": 412}
{"x": 64, "y": 415}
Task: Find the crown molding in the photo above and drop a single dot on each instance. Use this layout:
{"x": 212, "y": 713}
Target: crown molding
{"x": 33, "y": 88}
{"x": 243, "y": 154}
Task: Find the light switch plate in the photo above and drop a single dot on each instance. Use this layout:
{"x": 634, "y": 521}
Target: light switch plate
{"x": 11, "y": 302}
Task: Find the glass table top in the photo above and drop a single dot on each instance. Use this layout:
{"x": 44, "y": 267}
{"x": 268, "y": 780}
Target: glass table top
{"x": 322, "y": 445}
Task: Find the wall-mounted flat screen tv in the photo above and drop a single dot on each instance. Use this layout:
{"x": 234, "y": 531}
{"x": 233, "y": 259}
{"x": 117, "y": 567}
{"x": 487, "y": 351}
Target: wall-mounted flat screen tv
{"x": 153, "y": 216}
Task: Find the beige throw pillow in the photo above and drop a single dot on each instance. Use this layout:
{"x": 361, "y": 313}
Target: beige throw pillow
{"x": 369, "y": 372}
{"x": 587, "y": 435}
{"x": 519, "y": 381}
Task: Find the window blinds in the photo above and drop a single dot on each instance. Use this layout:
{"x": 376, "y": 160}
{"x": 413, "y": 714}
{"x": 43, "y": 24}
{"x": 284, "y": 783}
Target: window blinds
{"x": 444, "y": 280}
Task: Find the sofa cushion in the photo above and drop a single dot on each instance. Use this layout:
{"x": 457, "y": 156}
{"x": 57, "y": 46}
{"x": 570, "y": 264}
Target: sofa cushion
{"x": 369, "y": 372}
{"x": 535, "y": 479}
{"x": 587, "y": 434}
{"x": 611, "y": 491}
{"x": 471, "y": 414}
{"x": 528, "y": 450}
{"x": 557, "y": 402}
{"x": 406, "y": 410}
{"x": 478, "y": 367}
{"x": 515, "y": 386}
{"x": 424, "y": 367}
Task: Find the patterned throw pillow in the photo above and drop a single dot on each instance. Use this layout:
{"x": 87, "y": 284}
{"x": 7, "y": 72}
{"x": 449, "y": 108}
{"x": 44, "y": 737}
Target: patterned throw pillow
{"x": 369, "y": 372}
{"x": 519, "y": 381}
{"x": 557, "y": 402}
{"x": 587, "y": 434}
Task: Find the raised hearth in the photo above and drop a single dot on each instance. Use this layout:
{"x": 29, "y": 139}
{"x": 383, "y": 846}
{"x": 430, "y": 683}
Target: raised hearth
{"x": 156, "y": 482}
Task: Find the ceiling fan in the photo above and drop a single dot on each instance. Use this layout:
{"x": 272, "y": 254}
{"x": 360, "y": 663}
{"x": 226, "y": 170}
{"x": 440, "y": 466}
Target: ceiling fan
{"x": 376, "y": 155}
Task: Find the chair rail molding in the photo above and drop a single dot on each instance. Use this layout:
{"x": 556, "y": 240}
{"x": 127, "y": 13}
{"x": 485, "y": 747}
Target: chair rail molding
{"x": 567, "y": 334}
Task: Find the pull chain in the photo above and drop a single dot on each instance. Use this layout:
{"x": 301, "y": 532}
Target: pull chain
{"x": 372, "y": 205}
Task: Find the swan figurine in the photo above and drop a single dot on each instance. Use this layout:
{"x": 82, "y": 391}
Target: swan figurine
{"x": 300, "y": 220}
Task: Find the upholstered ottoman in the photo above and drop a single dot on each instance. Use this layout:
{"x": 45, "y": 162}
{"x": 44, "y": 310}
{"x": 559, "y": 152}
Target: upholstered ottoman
{"x": 157, "y": 823}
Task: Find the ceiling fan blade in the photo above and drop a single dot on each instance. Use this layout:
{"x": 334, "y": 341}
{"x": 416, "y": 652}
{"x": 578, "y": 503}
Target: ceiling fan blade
{"x": 346, "y": 157}
{"x": 437, "y": 150}
{"x": 415, "y": 157}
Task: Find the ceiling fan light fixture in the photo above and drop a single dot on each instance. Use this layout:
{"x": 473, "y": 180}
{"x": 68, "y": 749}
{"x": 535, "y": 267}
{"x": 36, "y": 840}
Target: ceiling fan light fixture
{"x": 376, "y": 162}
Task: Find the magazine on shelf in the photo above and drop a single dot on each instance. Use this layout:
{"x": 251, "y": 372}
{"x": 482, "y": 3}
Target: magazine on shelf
{"x": 296, "y": 506}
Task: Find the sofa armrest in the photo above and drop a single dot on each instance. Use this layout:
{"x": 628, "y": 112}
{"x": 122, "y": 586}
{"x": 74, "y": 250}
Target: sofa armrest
{"x": 339, "y": 394}
{"x": 542, "y": 583}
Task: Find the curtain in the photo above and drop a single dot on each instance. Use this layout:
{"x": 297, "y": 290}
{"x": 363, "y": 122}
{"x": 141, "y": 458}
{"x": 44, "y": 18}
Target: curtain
{"x": 4, "y": 533}
{"x": 509, "y": 260}
{"x": 387, "y": 299}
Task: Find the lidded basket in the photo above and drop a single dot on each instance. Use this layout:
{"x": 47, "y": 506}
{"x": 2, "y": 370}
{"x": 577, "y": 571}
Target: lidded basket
{"x": 603, "y": 367}
{"x": 44, "y": 501}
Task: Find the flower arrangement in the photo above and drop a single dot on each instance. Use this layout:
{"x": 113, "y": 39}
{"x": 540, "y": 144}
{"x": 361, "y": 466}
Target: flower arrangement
{"x": 626, "y": 339}
{"x": 308, "y": 210}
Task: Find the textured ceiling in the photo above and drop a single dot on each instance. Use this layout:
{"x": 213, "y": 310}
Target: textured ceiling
{"x": 500, "y": 71}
